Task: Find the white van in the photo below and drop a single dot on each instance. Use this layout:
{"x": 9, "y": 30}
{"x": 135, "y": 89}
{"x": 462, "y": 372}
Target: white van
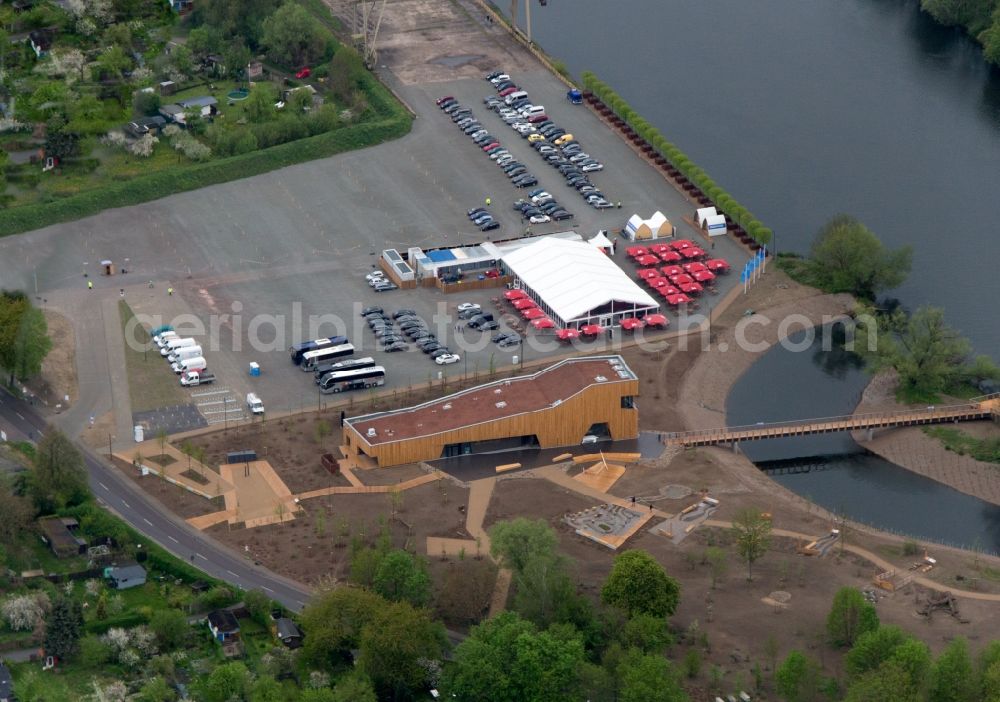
{"x": 532, "y": 110}
{"x": 184, "y": 354}
{"x": 162, "y": 339}
{"x": 197, "y": 363}
{"x": 254, "y": 404}
{"x": 175, "y": 344}
{"x": 514, "y": 97}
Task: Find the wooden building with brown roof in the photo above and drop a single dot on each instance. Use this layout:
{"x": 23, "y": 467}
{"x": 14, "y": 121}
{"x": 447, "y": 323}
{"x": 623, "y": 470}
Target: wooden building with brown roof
{"x": 557, "y": 406}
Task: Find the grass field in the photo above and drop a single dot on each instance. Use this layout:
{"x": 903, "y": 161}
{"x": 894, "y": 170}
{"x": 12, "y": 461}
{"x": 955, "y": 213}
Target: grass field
{"x": 151, "y": 384}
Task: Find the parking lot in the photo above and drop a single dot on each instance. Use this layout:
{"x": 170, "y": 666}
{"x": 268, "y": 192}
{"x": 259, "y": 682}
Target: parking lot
{"x": 278, "y": 258}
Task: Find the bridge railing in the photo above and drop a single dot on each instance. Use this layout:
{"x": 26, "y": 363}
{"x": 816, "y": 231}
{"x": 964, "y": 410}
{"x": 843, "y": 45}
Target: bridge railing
{"x": 930, "y": 412}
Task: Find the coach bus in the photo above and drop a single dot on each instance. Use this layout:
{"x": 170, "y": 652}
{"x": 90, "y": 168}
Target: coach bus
{"x": 349, "y": 364}
{"x": 311, "y": 360}
{"x": 298, "y": 350}
{"x": 353, "y": 379}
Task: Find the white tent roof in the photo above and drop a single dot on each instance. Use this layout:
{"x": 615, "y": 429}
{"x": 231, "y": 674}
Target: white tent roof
{"x": 703, "y": 213}
{"x": 574, "y": 277}
{"x": 601, "y": 241}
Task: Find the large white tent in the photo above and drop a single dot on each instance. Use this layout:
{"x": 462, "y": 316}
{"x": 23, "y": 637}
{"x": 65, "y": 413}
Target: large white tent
{"x": 576, "y": 284}
{"x": 655, "y": 227}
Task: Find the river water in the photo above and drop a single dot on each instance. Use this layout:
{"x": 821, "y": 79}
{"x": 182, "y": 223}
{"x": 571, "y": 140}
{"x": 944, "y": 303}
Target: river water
{"x": 802, "y": 109}
{"x": 831, "y": 469}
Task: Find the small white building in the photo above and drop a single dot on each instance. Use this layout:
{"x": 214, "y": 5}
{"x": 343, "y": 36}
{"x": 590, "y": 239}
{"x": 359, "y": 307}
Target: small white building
{"x": 576, "y": 284}
{"x": 656, "y": 227}
{"x": 711, "y": 221}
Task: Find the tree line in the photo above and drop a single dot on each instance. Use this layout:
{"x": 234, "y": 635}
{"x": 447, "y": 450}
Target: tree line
{"x": 24, "y": 339}
{"x": 980, "y": 18}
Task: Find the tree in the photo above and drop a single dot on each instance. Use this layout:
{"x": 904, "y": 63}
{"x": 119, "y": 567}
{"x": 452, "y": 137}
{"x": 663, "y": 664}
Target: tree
{"x": 17, "y": 513}
{"x": 873, "y": 648}
{"x": 927, "y": 354}
{"x": 638, "y": 584}
{"x": 914, "y": 658}
{"x": 648, "y": 678}
{"x": 59, "y": 478}
{"x": 394, "y": 643}
{"x": 850, "y": 616}
{"x": 61, "y": 144}
{"x": 465, "y": 592}
{"x": 514, "y": 543}
{"x": 333, "y": 621}
{"x": 236, "y": 18}
{"x": 293, "y": 37}
{"x": 113, "y": 61}
{"x": 752, "y": 531}
{"x": 402, "y": 576}
{"x": 266, "y": 689}
{"x": 952, "y": 678}
{"x": 236, "y": 57}
{"x": 887, "y": 682}
{"x": 204, "y": 40}
{"x": 847, "y": 257}
{"x": 259, "y": 606}
{"x": 24, "y": 340}
{"x": 227, "y": 682}
{"x": 63, "y": 628}
{"x": 506, "y": 658}
{"x": 797, "y": 678}
{"x": 353, "y": 687}
{"x": 157, "y": 690}
{"x": 146, "y": 103}
{"x": 718, "y": 563}
{"x": 25, "y": 612}
{"x": 989, "y": 683}
{"x": 647, "y": 633}
{"x": 345, "y": 73}
{"x": 170, "y": 628}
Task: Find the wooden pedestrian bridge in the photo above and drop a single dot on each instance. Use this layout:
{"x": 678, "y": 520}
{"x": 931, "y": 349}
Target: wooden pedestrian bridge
{"x": 985, "y": 407}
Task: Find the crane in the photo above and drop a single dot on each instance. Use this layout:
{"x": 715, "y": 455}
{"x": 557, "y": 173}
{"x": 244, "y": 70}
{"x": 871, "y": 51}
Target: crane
{"x": 366, "y": 22}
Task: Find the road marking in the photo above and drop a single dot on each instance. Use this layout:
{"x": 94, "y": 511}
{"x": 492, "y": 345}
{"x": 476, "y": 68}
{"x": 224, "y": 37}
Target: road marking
{"x": 232, "y": 573}
{"x": 19, "y": 415}
{"x": 200, "y": 556}
{"x": 127, "y": 506}
{"x": 265, "y": 588}
{"x": 147, "y": 521}
{"x": 173, "y": 539}
{"x": 103, "y": 486}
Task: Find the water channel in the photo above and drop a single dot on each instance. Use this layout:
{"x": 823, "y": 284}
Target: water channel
{"x": 831, "y": 469}
{"x": 803, "y": 109}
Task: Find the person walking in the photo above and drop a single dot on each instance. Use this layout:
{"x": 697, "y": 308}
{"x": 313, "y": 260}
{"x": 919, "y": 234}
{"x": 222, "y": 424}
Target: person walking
{"x": 170, "y": 292}
{"x": 90, "y": 285}
{"x": 489, "y": 201}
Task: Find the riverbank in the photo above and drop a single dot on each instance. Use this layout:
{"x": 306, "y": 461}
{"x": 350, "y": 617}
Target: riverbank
{"x": 912, "y": 449}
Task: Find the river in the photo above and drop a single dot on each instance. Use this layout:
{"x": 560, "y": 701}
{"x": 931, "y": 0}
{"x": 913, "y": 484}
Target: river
{"x": 802, "y": 109}
{"x": 831, "y": 469}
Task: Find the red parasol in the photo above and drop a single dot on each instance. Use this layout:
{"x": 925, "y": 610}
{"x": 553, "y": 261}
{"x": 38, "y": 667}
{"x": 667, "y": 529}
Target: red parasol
{"x": 692, "y": 253}
{"x": 718, "y": 265}
{"x": 680, "y": 244}
{"x": 515, "y": 294}
{"x": 678, "y": 299}
{"x": 656, "y": 320}
{"x": 681, "y": 278}
{"x": 543, "y": 323}
{"x": 694, "y": 267}
{"x": 691, "y": 288}
{"x": 658, "y": 282}
{"x": 645, "y": 273}
{"x": 524, "y": 304}
{"x": 647, "y": 260}
{"x": 591, "y": 329}
{"x": 672, "y": 270}
{"x": 671, "y": 257}
{"x": 567, "y": 334}
{"x": 703, "y": 276}
{"x": 636, "y": 251}
{"x": 532, "y": 313}
{"x": 631, "y": 324}
{"x": 659, "y": 249}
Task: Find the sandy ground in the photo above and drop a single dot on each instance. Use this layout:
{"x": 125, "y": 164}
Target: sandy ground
{"x": 911, "y": 448}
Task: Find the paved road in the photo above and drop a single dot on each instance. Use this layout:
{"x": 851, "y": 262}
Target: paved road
{"x": 118, "y": 494}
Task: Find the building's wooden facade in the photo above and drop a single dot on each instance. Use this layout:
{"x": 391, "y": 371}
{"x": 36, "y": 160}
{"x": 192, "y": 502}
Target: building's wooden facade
{"x": 563, "y": 422}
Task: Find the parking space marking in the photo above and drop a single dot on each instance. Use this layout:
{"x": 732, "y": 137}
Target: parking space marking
{"x": 147, "y": 521}
{"x": 173, "y": 539}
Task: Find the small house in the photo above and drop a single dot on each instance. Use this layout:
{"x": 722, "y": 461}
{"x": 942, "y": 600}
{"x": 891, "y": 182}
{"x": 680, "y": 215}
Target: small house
{"x": 206, "y": 103}
{"x": 223, "y": 625}
{"x": 288, "y": 632}
{"x": 172, "y": 113}
{"x": 145, "y": 125}
{"x": 6, "y": 685}
{"x": 58, "y": 533}
{"x": 181, "y": 6}
{"x": 124, "y": 577}
{"x": 168, "y": 87}
{"x": 41, "y": 42}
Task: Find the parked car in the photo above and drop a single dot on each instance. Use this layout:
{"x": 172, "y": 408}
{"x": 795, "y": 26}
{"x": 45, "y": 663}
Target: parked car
{"x": 384, "y": 286}
{"x": 429, "y": 348}
{"x": 489, "y": 226}
{"x": 303, "y": 73}
{"x": 446, "y": 358}
{"x": 371, "y": 310}
{"x": 396, "y": 346}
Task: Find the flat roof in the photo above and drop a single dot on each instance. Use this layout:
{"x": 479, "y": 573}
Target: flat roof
{"x": 497, "y": 400}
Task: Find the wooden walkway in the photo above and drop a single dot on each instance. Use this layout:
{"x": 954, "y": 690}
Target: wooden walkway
{"x": 980, "y": 408}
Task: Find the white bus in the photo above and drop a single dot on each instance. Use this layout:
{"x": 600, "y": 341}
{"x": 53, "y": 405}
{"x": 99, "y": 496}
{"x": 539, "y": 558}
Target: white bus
{"x": 353, "y": 379}
{"x": 349, "y": 364}
{"x": 312, "y": 359}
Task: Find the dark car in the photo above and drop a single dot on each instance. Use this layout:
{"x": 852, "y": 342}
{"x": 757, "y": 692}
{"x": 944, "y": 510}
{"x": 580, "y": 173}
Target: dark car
{"x": 451, "y": 107}
{"x": 369, "y": 310}
{"x": 403, "y": 313}
{"x": 430, "y": 348}
{"x": 526, "y": 181}
{"x": 448, "y": 103}
{"x": 420, "y": 334}
{"x": 515, "y": 172}
{"x": 411, "y": 324}
{"x": 489, "y": 226}
{"x": 560, "y": 215}
{"x": 420, "y": 343}
{"x": 385, "y": 287}
{"x": 476, "y": 211}
{"x": 391, "y": 339}
{"x": 511, "y": 166}
{"x": 397, "y": 346}
{"x": 439, "y": 352}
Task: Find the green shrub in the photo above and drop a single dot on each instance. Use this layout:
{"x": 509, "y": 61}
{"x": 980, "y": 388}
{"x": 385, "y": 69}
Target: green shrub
{"x": 125, "y": 620}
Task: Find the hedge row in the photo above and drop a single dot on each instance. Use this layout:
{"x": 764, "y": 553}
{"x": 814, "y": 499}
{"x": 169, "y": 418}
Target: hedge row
{"x": 394, "y": 121}
{"x": 676, "y": 158}
{"x": 126, "y": 620}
